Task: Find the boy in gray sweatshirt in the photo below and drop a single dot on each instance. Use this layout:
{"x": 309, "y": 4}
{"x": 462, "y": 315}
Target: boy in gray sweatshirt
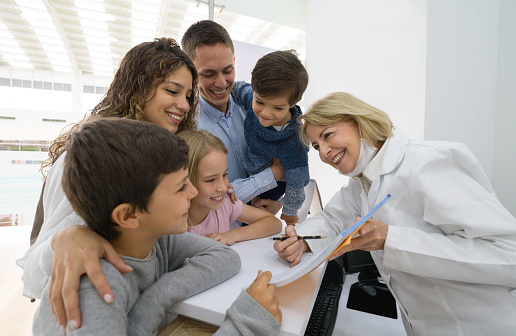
{"x": 129, "y": 181}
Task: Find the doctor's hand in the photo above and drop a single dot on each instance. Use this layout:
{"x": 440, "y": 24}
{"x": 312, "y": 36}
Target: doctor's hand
{"x": 265, "y": 294}
{"x": 291, "y": 249}
{"x": 77, "y": 250}
{"x": 372, "y": 236}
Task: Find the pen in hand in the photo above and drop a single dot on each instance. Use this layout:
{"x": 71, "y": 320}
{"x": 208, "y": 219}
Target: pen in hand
{"x": 298, "y": 237}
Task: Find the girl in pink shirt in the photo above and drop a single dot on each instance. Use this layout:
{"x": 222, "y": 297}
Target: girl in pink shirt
{"x": 212, "y": 212}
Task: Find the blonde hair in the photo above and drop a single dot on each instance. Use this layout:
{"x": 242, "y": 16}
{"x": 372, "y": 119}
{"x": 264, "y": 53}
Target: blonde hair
{"x": 201, "y": 143}
{"x": 374, "y": 124}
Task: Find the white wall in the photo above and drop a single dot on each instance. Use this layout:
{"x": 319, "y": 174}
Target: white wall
{"x": 246, "y": 56}
{"x": 31, "y": 106}
{"x": 373, "y": 49}
{"x": 471, "y": 84}
{"x": 443, "y": 70}
{"x": 462, "y": 66}
{"x": 504, "y": 179}
{"x": 285, "y": 12}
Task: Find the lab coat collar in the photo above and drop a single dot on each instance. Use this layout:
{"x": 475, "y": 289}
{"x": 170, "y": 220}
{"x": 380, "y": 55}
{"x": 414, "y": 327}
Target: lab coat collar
{"x": 389, "y": 158}
{"x": 372, "y": 170}
{"x": 394, "y": 151}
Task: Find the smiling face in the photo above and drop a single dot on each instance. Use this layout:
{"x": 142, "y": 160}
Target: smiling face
{"x": 216, "y": 67}
{"x": 212, "y": 180}
{"x": 338, "y": 144}
{"x": 169, "y": 104}
{"x": 271, "y": 110}
{"x": 167, "y": 212}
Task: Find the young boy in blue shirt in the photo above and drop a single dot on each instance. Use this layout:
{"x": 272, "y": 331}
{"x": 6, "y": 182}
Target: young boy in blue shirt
{"x": 278, "y": 80}
{"x": 129, "y": 181}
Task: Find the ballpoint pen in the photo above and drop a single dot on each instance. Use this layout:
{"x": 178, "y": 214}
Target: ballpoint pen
{"x": 298, "y": 237}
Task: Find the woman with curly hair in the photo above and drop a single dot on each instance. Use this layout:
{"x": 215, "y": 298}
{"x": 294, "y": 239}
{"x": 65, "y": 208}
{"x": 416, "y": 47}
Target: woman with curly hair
{"x": 139, "y": 87}
{"x": 156, "y": 82}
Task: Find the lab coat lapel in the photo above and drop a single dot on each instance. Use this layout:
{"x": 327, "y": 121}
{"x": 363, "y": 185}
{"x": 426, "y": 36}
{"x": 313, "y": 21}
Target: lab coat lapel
{"x": 393, "y": 155}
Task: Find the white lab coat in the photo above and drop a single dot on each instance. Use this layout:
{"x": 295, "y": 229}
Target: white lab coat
{"x": 450, "y": 253}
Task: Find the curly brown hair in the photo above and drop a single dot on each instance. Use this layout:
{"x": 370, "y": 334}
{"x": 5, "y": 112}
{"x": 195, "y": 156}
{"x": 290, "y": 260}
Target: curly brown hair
{"x": 142, "y": 69}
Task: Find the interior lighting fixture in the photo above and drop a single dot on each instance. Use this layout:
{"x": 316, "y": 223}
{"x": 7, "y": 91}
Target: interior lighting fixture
{"x": 207, "y": 3}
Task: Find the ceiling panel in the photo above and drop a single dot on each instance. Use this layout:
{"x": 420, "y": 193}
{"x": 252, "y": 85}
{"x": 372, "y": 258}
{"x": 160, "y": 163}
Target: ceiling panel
{"x": 89, "y": 37}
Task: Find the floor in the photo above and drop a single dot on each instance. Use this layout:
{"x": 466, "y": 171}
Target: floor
{"x": 16, "y": 311}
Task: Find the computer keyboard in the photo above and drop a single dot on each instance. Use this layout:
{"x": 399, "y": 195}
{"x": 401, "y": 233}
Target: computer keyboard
{"x": 324, "y": 312}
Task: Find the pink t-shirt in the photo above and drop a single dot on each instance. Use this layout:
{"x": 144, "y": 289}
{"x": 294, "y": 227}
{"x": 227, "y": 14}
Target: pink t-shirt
{"x": 219, "y": 220}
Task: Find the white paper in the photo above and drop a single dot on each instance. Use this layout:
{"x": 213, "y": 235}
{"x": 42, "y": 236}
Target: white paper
{"x": 307, "y": 264}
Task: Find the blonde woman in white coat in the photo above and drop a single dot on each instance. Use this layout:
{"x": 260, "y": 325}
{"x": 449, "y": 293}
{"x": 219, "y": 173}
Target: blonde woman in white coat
{"x": 443, "y": 243}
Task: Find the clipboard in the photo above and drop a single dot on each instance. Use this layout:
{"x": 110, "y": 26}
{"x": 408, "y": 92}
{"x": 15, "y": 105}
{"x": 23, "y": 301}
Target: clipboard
{"x": 309, "y": 264}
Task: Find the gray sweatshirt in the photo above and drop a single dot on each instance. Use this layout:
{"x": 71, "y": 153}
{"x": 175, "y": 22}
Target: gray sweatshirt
{"x": 178, "y": 267}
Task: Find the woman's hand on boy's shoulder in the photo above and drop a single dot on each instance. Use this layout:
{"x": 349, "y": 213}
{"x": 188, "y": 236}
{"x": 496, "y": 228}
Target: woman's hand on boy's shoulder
{"x": 77, "y": 250}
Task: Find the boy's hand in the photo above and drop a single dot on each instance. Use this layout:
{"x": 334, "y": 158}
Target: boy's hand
{"x": 77, "y": 250}
{"x": 290, "y": 220}
{"x": 223, "y": 238}
{"x": 265, "y": 294}
{"x": 231, "y": 194}
{"x": 266, "y": 204}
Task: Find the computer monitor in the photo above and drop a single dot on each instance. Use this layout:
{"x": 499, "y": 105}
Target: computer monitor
{"x": 357, "y": 261}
